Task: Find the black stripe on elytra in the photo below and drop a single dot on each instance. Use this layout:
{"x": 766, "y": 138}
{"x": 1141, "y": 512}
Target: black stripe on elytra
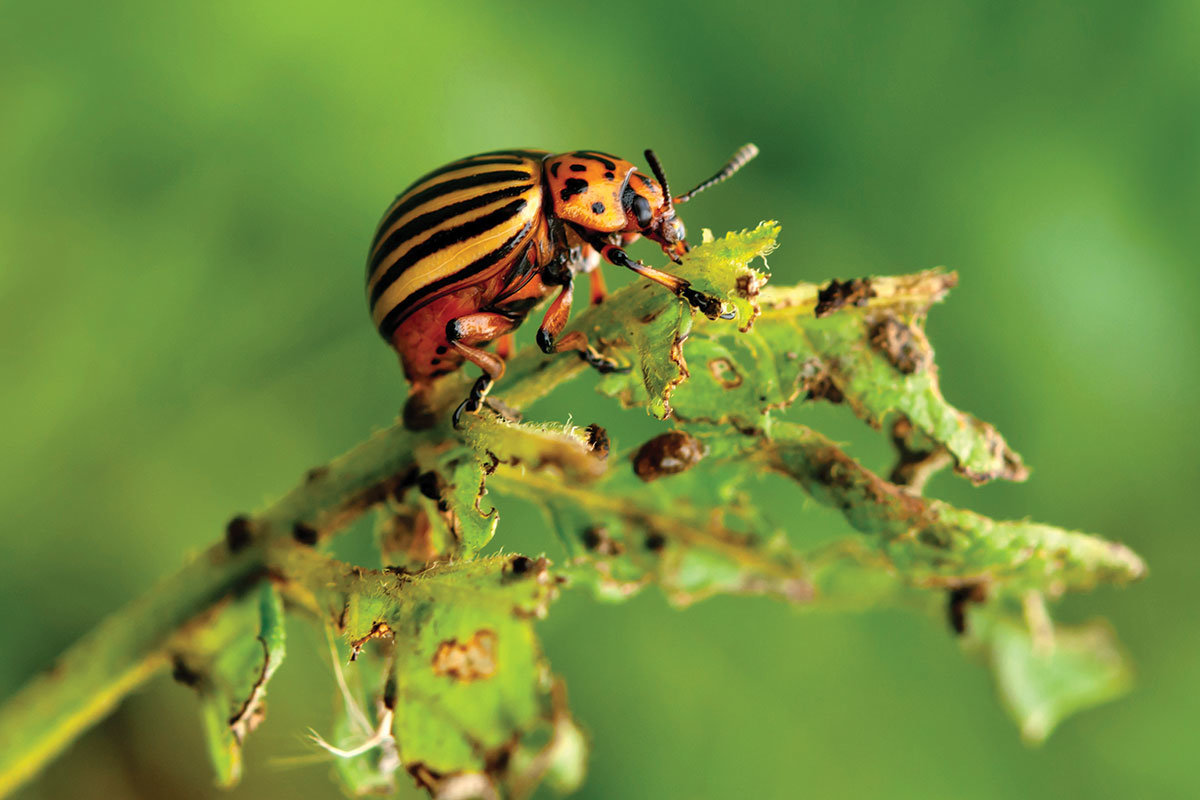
{"x": 443, "y": 239}
{"x": 522, "y": 153}
{"x": 572, "y": 187}
{"x": 432, "y": 219}
{"x": 417, "y": 199}
{"x": 397, "y": 315}
{"x": 603, "y": 158}
{"x": 464, "y": 163}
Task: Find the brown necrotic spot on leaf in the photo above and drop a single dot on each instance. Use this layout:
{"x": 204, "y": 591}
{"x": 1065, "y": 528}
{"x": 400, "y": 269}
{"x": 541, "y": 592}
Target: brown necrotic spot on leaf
{"x": 406, "y": 538}
{"x": 839, "y": 294}
{"x": 667, "y": 454}
{"x": 598, "y": 540}
{"x": 899, "y": 344}
{"x": 472, "y": 660}
{"x": 919, "y": 457}
{"x": 378, "y": 631}
{"x": 749, "y": 285}
{"x": 1009, "y": 464}
{"x": 817, "y": 383}
{"x": 725, "y": 373}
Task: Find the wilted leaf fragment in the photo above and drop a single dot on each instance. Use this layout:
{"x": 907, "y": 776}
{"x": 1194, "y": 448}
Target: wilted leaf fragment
{"x": 1041, "y": 684}
{"x": 233, "y": 659}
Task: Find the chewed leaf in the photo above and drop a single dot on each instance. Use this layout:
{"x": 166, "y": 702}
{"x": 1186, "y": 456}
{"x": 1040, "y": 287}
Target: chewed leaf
{"x": 577, "y": 453}
{"x": 722, "y": 267}
{"x": 929, "y": 542}
{"x": 230, "y": 664}
{"x": 469, "y": 671}
{"x": 624, "y": 533}
{"x": 473, "y": 521}
{"x": 1041, "y": 683}
{"x": 657, "y": 338}
{"x": 469, "y": 687}
{"x": 662, "y": 324}
{"x": 875, "y": 356}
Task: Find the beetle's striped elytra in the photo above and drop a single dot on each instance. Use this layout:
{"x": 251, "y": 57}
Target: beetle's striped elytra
{"x": 461, "y": 256}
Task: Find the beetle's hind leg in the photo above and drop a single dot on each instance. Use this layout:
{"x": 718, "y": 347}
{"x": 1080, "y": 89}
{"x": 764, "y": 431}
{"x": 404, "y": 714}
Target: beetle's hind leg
{"x": 466, "y": 332}
{"x": 553, "y": 324}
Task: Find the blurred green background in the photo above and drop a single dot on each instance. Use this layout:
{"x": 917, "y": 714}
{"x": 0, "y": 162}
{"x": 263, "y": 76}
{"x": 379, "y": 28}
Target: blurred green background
{"x": 187, "y": 192}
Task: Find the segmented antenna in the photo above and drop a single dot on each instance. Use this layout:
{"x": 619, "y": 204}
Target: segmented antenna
{"x": 662, "y": 178}
{"x": 739, "y": 160}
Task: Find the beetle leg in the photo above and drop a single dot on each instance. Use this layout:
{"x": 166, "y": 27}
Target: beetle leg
{"x": 466, "y": 332}
{"x": 599, "y": 291}
{"x": 707, "y": 304}
{"x": 504, "y": 346}
{"x": 552, "y": 325}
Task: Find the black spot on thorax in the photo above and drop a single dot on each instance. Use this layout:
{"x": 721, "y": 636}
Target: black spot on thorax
{"x": 574, "y": 186}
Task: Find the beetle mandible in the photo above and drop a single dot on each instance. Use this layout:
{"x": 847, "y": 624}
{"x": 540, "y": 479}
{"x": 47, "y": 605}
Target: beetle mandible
{"x": 462, "y": 256}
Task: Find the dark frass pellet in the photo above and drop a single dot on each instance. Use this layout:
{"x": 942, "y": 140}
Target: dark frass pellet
{"x": 304, "y": 534}
{"x": 237, "y": 533}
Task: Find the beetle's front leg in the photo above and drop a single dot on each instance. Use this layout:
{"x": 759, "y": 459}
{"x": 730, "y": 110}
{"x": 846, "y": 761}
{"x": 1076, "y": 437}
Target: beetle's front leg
{"x": 708, "y": 305}
{"x": 463, "y": 334}
{"x": 556, "y": 319}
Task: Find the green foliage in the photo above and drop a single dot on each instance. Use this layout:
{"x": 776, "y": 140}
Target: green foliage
{"x": 446, "y": 678}
{"x": 1044, "y": 675}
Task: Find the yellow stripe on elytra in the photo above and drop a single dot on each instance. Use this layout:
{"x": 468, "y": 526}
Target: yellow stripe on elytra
{"x": 468, "y": 252}
{"x": 531, "y": 197}
{"x": 466, "y": 171}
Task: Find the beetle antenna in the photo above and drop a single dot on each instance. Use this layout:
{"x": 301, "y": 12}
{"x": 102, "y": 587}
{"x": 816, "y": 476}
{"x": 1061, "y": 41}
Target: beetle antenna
{"x": 739, "y": 160}
{"x": 662, "y": 179}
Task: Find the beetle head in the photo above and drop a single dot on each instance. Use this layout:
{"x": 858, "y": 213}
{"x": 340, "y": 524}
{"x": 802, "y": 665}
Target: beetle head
{"x": 650, "y": 209}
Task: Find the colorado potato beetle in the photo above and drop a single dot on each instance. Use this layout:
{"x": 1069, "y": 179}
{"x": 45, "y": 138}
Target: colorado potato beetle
{"x": 464, "y": 253}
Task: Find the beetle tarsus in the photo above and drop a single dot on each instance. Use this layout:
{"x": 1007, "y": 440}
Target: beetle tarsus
{"x": 708, "y": 305}
{"x": 603, "y": 364}
{"x": 474, "y": 400}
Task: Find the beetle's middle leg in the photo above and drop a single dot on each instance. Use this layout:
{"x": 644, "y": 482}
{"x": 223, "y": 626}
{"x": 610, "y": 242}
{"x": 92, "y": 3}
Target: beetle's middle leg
{"x": 463, "y": 334}
{"x": 589, "y": 262}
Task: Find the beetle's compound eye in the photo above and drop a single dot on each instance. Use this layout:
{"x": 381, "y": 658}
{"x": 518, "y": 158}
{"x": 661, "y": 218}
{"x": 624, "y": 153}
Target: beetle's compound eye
{"x": 641, "y": 211}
